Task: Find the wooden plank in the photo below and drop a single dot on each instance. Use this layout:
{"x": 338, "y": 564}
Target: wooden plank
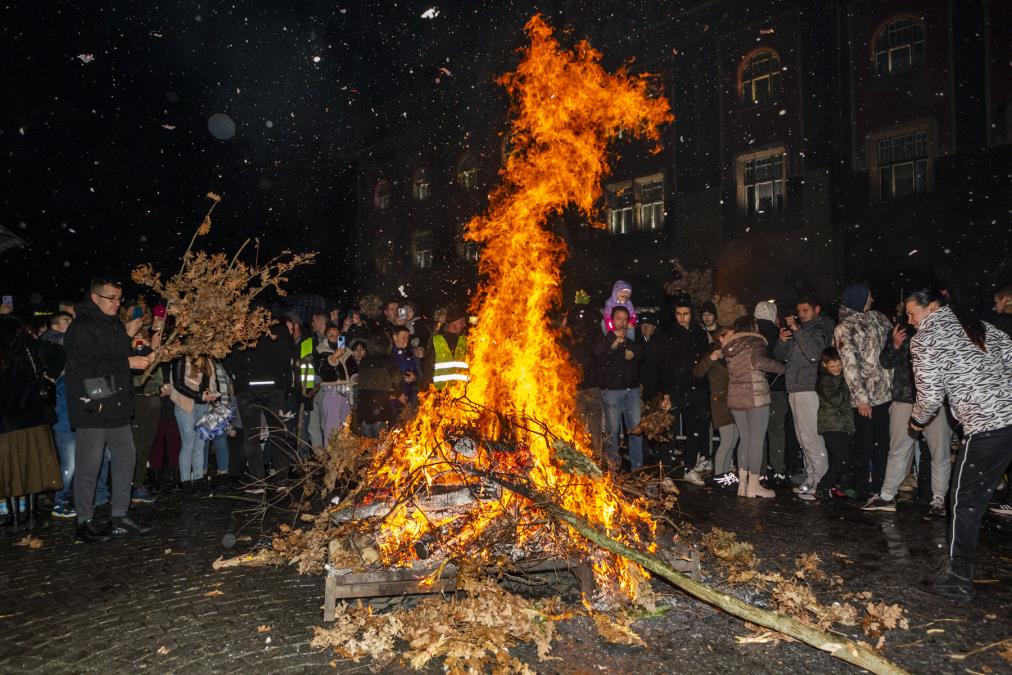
{"x": 329, "y": 597}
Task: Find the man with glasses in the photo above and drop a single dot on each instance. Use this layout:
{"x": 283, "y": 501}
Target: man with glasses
{"x": 100, "y": 405}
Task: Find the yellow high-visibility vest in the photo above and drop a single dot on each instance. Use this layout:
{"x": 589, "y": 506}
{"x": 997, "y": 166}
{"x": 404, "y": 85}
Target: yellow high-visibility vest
{"x": 449, "y": 366}
{"x": 307, "y": 373}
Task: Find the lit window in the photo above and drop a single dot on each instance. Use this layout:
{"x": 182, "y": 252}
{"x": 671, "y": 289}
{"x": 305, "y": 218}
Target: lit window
{"x": 421, "y": 185}
{"x": 763, "y": 183}
{"x": 421, "y": 250}
{"x": 760, "y": 77}
{"x": 650, "y": 203}
{"x": 620, "y": 208}
{"x": 467, "y": 171}
{"x": 903, "y": 165}
{"x": 899, "y": 48}
{"x": 381, "y": 195}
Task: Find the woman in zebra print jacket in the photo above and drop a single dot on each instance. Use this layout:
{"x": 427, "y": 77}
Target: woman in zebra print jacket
{"x": 970, "y": 362}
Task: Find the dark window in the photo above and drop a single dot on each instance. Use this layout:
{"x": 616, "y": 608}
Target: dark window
{"x": 760, "y": 79}
{"x": 422, "y": 250}
{"x": 421, "y": 185}
{"x": 903, "y": 165}
{"x": 381, "y": 195}
{"x": 467, "y": 171}
{"x": 763, "y": 178}
{"x": 899, "y": 48}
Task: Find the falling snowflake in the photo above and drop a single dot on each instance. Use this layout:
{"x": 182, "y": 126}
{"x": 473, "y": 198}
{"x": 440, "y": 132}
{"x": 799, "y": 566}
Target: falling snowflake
{"x": 86, "y": 58}
{"x": 430, "y": 13}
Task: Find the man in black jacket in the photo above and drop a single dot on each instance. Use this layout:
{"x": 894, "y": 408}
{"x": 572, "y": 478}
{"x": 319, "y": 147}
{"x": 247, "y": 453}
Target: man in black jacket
{"x": 684, "y": 394}
{"x": 262, "y": 377}
{"x": 100, "y": 405}
{"x": 618, "y": 356}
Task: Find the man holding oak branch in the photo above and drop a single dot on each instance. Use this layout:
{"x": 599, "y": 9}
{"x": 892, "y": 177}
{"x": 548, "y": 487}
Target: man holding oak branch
{"x": 100, "y": 405}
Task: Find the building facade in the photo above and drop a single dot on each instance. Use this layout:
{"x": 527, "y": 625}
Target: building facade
{"x": 814, "y": 143}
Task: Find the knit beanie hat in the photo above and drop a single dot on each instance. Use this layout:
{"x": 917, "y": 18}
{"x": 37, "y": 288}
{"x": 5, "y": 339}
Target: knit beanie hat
{"x": 855, "y": 296}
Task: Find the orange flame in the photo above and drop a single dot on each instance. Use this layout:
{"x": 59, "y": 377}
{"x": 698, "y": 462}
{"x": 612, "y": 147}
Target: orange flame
{"x": 566, "y": 110}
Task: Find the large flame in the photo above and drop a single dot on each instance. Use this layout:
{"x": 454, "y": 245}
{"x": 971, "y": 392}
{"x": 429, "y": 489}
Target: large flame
{"x": 566, "y": 110}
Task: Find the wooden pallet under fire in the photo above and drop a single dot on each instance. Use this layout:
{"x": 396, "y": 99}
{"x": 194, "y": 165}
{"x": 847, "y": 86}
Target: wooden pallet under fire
{"x": 342, "y": 585}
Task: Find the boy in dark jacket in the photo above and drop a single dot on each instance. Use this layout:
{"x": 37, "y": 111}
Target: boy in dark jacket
{"x": 835, "y": 421}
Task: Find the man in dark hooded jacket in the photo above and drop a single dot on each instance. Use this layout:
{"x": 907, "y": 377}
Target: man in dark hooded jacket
{"x": 684, "y": 394}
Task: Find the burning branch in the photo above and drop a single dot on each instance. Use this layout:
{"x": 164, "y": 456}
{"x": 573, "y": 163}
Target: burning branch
{"x": 211, "y": 296}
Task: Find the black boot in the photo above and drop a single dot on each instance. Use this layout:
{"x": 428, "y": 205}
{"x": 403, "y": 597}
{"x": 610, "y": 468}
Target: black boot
{"x": 953, "y": 579}
{"x": 91, "y": 531}
{"x": 124, "y": 525}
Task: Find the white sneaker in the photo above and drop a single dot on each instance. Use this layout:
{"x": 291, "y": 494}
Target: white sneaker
{"x": 726, "y": 480}
{"x": 694, "y": 478}
{"x": 803, "y": 490}
{"x": 704, "y": 465}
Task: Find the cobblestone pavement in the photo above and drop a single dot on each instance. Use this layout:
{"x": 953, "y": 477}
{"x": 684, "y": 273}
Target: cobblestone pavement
{"x": 154, "y": 603}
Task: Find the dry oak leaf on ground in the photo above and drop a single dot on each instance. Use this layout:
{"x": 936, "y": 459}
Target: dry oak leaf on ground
{"x": 880, "y": 617}
{"x": 30, "y": 542}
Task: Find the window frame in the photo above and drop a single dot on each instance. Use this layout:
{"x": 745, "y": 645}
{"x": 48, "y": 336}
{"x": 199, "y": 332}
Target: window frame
{"x": 382, "y": 203}
{"x": 772, "y": 78}
{"x": 920, "y": 160}
{"x": 623, "y": 214}
{"x": 655, "y": 206}
{"x": 471, "y": 171}
{"x": 747, "y": 192}
{"x": 421, "y": 184}
{"x": 422, "y": 258}
{"x": 917, "y": 49}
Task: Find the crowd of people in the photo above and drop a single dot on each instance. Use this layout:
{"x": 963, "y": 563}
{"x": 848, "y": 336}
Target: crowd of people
{"x": 859, "y": 408}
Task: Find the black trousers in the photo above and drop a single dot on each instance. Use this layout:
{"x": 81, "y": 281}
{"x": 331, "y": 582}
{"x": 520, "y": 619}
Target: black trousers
{"x": 979, "y": 466}
{"x": 871, "y": 449}
{"x": 147, "y": 412}
{"x": 840, "y": 445}
{"x": 251, "y": 404}
{"x": 696, "y": 425}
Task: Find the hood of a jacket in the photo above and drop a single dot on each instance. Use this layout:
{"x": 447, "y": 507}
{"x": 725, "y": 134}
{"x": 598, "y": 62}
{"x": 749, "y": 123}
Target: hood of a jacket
{"x": 743, "y": 341}
{"x": 90, "y": 310}
{"x": 767, "y": 309}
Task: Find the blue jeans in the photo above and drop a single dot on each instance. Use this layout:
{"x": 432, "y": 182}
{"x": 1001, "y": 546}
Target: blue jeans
{"x": 220, "y": 444}
{"x": 192, "y": 447}
{"x": 65, "y": 442}
{"x": 621, "y": 405}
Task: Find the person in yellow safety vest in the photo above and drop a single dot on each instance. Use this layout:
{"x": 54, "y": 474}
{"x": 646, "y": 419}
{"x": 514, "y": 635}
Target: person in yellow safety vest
{"x": 307, "y": 373}
{"x": 445, "y": 359}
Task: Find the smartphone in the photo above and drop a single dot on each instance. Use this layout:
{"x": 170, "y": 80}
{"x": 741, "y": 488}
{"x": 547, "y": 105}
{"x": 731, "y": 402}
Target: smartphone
{"x": 8, "y": 300}
{"x": 402, "y": 313}
{"x": 136, "y": 313}
{"x": 340, "y": 342}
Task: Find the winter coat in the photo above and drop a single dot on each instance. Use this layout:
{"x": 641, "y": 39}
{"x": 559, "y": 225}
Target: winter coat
{"x": 379, "y": 383}
{"x": 716, "y": 374}
{"x": 614, "y": 370}
{"x": 681, "y": 350}
{"x": 612, "y": 302}
{"x": 745, "y": 355}
{"x": 26, "y": 399}
{"x": 978, "y": 383}
{"x": 898, "y": 361}
{"x": 835, "y": 411}
{"x": 188, "y": 385}
{"x": 328, "y": 374}
{"x": 267, "y": 366}
{"x": 860, "y": 338}
{"x": 803, "y": 353}
{"x": 98, "y": 347}
{"x": 771, "y": 333}
{"x": 650, "y": 366}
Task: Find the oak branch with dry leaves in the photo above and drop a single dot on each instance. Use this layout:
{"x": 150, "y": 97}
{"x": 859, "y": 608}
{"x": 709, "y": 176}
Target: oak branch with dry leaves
{"x": 211, "y": 297}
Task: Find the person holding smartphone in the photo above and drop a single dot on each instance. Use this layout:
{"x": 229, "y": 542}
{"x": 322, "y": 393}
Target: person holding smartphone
{"x": 335, "y": 369}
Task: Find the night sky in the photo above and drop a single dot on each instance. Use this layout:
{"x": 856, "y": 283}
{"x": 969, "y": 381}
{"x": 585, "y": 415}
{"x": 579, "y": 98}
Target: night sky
{"x": 106, "y": 124}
